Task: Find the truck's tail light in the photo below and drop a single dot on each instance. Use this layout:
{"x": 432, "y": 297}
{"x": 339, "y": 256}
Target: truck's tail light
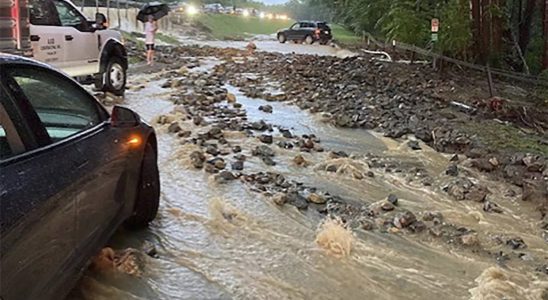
{"x": 14, "y": 26}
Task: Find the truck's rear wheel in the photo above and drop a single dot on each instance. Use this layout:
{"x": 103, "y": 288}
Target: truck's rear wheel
{"x": 114, "y": 78}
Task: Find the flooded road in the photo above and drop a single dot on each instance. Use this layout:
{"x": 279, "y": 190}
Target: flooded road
{"x": 226, "y": 241}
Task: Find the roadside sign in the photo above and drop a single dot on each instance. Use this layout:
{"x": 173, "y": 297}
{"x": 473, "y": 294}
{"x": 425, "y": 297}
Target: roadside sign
{"x": 434, "y": 37}
{"x": 435, "y": 25}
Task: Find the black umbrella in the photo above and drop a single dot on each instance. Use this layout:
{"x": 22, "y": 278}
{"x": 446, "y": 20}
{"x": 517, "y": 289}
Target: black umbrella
{"x": 155, "y": 9}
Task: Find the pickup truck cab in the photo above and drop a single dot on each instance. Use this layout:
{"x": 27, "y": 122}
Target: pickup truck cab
{"x": 61, "y": 36}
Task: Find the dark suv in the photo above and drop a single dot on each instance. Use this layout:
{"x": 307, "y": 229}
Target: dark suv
{"x": 306, "y": 31}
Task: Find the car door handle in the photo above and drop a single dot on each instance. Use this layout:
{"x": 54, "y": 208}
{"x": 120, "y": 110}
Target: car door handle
{"x": 69, "y": 38}
{"x": 34, "y": 38}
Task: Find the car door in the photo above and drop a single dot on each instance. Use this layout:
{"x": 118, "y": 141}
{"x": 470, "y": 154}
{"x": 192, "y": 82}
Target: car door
{"x": 37, "y": 202}
{"x": 81, "y": 41}
{"x": 70, "y": 115}
{"x": 84, "y": 158}
{"x": 293, "y": 31}
{"x": 46, "y": 34}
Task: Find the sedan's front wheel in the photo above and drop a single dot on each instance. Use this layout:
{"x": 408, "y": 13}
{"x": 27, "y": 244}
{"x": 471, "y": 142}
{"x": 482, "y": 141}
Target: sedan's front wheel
{"x": 148, "y": 191}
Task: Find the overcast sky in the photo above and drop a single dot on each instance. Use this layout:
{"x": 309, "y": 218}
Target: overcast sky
{"x": 274, "y": 1}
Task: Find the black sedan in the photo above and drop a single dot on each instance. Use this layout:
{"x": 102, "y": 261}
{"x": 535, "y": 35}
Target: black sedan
{"x": 70, "y": 175}
{"x": 306, "y": 31}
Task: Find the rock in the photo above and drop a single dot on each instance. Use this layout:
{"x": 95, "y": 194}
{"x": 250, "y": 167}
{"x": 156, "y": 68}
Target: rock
{"x": 265, "y": 138}
{"x": 268, "y": 161}
{"x": 417, "y": 226}
{"x": 454, "y": 158}
{"x": 393, "y": 199}
{"x": 315, "y": 198}
{"x": 464, "y": 189}
{"x": 332, "y": 168}
{"x": 237, "y": 165}
{"x": 476, "y": 194}
{"x": 184, "y": 134}
{"x": 404, "y": 219}
{"x": 236, "y": 149}
{"x": 452, "y": 170}
{"x": 259, "y": 126}
{"x": 197, "y": 120}
{"x": 516, "y": 243}
{"x": 436, "y": 217}
{"x": 483, "y": 165}
{"x": 367, "y": 225}
{"x": 491, "y": 207}
{"x": 176, "y": 83}
{"x": 230, "y": 98}
{"x": 225, "y": 176}
{"x": 424, "y": 135}
{"x": 300, "y": 161}
{"x": 286, "y": 133}
{"x": 212, "y": 150}
{"x": 370, "y": 174}
{"x": 280, "y": 199}
{"x": 414, "y": 145}
{"x": 174, "y": 127}
{"x": 218, "y": 163}
{"x": 469, "y": 239}
{"x": 197, "y": 159}
{"x": 266, "y": 108}
{"x": 387, "y": 206}
{"x": 215, "y": 133}
{"x": 209, "y": 168}
{"x": 263, "y": 150}
{"x": 295, "y": 199}
{"x": 337, "y": 154}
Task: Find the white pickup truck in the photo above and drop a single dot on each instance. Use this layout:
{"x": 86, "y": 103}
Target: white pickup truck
{"x": 57, "y": 33}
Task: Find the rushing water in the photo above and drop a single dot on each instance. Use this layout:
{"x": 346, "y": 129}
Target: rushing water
{"x": 226, "y": 242}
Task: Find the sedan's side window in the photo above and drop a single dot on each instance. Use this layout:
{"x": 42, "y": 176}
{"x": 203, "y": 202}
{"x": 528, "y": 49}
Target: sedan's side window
{"x": 62, "y": 106}
{"x": 10, "y": 141}
{"x": 295, "y": 26}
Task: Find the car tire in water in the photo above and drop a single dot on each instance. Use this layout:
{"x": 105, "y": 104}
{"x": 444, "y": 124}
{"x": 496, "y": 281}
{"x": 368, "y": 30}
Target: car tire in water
{"x": 148, "y": 191}
{"x": 281, "y": 38}
{"x": 114, "y": 79}
{"x": 309, "y": 40}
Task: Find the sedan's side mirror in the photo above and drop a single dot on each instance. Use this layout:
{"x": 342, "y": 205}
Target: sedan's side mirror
{"x": 124, "y": 117}
{"x": 101, "y": 21}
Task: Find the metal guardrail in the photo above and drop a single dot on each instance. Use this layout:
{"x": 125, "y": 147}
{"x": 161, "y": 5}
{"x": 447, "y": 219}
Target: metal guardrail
{"x": 429, "y": 53}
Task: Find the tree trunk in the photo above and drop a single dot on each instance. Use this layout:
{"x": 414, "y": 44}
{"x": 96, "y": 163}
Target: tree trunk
{"x": 525, "y": 25}
{"x": 476, "y": 28}
{"x": 545, "y": 31}
{"x": 498, "y": 26}
{"x": 485, "y": 29}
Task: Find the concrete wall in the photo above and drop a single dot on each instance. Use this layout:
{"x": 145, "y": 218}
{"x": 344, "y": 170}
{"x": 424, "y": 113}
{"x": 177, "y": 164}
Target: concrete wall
{"x": 126, "y": 19}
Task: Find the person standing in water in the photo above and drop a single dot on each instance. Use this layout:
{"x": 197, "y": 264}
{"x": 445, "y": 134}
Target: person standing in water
{"x": 150, "y": 35}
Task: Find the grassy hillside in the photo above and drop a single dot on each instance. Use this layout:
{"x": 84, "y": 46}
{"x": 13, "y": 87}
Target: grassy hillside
{"x": 344, "y": 35}
{"x": 237, "y": 27}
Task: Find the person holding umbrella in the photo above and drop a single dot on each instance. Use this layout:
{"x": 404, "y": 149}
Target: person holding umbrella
{"x": 149, "y": 14}
{"x": 150, "y": 35}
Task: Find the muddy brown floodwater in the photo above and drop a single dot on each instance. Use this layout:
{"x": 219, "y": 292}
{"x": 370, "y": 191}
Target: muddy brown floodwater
{"x": 225, "y": 241}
